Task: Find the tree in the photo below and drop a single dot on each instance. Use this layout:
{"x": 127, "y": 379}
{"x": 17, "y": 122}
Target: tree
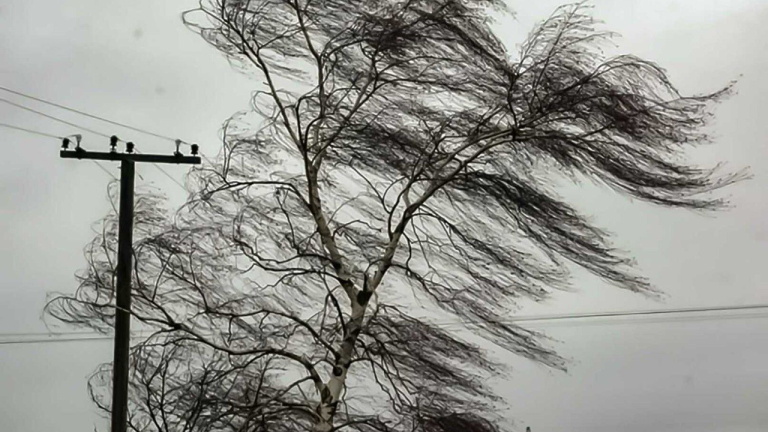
{"x": 401, "y": 179}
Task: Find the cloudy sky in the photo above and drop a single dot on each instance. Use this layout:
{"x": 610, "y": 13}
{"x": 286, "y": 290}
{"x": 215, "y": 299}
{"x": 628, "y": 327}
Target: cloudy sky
{"x": 136, "y": 63}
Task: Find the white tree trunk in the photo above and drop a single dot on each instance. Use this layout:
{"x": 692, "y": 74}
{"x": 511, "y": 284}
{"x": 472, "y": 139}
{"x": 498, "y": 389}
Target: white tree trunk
{"x": 329, "y": 397}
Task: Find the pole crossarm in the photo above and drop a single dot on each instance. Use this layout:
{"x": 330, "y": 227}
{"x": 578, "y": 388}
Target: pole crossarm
{"x": 135, "y": 157}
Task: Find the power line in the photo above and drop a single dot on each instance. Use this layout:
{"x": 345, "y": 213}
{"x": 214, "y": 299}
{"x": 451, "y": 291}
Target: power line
{"x": 171, "y": 177}
{"x": 632, "y": 313}
{"x": 167, "y": 175}
{"x": 31, "y": 338}
{"x": 80, "y": 127}
{"x": 106, "y": 120}
{"x": 48, "y": 334}
{"x": 57, "y": 340}
{"x": 19, "y": 128}
{"x": 103, "y": 168}
{"x": 53, "y": 118}
{"x": 86, "y": 337}
{"x": 649, "y": 320}
{"x": 64, "y": 107}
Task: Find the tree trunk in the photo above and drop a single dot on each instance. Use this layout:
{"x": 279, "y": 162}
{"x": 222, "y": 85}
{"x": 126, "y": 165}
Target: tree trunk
{"x": 329, "y": 397}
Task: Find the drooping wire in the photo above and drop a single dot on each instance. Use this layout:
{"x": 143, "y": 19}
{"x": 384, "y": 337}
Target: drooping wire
{"x": 166, "y": 174}
{"x": 103, "y": 168}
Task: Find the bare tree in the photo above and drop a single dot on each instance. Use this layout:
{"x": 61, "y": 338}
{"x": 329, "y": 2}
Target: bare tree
{"x": 400, "y": 180}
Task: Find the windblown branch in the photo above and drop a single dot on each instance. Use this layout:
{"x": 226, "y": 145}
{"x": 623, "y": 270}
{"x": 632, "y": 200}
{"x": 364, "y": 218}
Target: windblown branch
{"x": 401, "y": 175}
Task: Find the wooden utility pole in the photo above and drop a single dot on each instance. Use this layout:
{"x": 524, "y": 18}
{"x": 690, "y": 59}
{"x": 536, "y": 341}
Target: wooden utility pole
{"x": 124, "y": 258}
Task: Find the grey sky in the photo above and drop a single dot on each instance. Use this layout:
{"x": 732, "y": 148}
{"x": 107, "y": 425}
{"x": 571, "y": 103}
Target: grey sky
{"x": 135, "y": 62}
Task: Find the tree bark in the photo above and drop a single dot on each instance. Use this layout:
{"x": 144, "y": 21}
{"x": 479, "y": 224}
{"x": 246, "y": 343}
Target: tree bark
{"x": 331, "y": 393}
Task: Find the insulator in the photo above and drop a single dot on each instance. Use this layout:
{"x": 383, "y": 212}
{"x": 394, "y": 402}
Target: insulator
{"x": 129, "y": 147}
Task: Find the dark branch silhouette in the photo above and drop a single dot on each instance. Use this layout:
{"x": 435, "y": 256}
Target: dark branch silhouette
{"x": 400, "y": 178}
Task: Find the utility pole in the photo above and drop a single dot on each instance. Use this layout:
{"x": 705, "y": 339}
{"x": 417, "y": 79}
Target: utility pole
{"x": 124, "y": 258}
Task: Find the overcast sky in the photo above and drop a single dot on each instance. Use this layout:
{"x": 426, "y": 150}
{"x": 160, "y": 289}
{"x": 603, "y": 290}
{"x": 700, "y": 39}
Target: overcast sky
{"x": 136, "y": 63}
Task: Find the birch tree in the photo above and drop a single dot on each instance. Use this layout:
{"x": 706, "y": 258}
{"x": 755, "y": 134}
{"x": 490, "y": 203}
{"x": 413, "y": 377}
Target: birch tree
{"x": 382, "y": 210}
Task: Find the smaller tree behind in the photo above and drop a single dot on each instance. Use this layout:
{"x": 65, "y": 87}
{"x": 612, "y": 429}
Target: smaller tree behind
{"x": 401, "y": 180}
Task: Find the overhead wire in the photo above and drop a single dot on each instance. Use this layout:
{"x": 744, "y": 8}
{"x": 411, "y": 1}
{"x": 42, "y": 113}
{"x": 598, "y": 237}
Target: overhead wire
{"x": 166, "y": 174}
{"x": 79, "y": 127}
{"x": 52, "y": 117}
{"x": 57, "y": 340}
{"x": 95, "y": 337}
{"x": 106, "y": 120}
{"x": 48, "y": 334}
{"x": 594, "y": 315}
{"x": 32, "y": 338}
{"x": 103, "y": 168}
{"x": 64, "y": 107}
{"x": 19, "y": 128}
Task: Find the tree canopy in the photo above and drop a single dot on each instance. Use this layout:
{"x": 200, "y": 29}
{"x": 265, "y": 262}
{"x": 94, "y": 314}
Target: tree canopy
{"x": 394, "y": 175}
